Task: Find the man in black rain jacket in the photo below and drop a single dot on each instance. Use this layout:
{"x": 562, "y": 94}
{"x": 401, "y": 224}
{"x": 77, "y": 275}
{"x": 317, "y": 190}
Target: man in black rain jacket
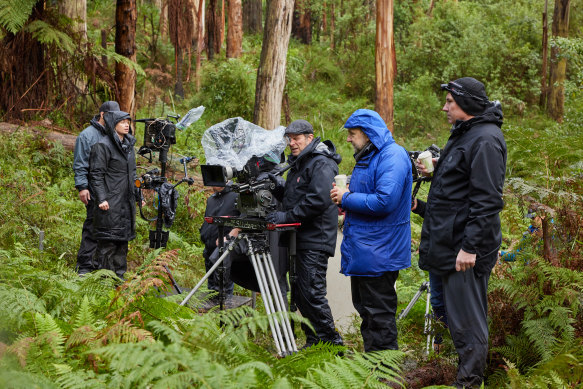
{"x": 307, "y": 200}
{"x": 461, "y": 228}
{"x": 112, "y": 176}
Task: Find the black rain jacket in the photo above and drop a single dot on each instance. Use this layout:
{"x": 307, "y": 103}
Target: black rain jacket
{"x": 307, "y": 196}
{"x": 112, "y": 178}
{"x": 465, "y": 198}
{"x": 222, "y": 203}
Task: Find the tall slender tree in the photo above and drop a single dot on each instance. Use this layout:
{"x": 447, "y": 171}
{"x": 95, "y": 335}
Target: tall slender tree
{"x": 181, "y": 29}
{"x": 126, "y": 16}
{"x": 235, "y": 29}
{"x": 385, "y": 61}
{"x": 545, "y": 50}
{"x": 252, "y": 20}
{"x": 558, "y": 68}
{"x": 77, "y": 11}
{"x": 302, "y": 22}
{"x": 272, "y": 65}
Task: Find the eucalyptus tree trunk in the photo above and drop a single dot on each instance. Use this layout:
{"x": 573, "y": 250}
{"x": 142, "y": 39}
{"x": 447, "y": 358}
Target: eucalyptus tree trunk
{"x": 272, "y": 66}
{"x": 77, "y": 11}
{"x": 235, "y": 31}
{"x": 558, "y": 70}
{"x": 213, "y": 29}
{"x": 385, "y": 61}
{"x": 199, "y": 40}
{"x": 302, "y": 24}
{"x": 125, "y": 44}
{"x": 545, "y": 47}
{"x": 252, "y": 20}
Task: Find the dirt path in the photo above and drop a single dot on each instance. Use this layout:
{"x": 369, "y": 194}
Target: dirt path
{"x": 338, "y": 288}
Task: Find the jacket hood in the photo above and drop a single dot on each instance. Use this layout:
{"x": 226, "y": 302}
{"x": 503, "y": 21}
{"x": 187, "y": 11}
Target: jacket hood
{"x": 325, "y": 148}
{"x": 95, "y": 123}
{"x": 493, "y": 114}
{"x": 372, "y": 125}
{"x": 111, "y": 119}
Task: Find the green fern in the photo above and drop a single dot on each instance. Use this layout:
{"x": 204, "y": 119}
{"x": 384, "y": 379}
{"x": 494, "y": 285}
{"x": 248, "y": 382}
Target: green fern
{"x": 15, "y": 13}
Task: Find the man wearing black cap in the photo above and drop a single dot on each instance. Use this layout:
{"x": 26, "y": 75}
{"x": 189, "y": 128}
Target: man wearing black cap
{"x": 461, "y": 228}
{"x": 306, "y": 200}
{"x": 86, "y": 139}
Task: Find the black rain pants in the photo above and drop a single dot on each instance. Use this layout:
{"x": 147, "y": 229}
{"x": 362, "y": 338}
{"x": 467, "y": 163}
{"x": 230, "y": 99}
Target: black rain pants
{"x": 375, "y": 299}
{"x": 310, "y": 297}
{"x": 112, "y": 255}
{"x": 85, "y": 255}
{"x": 466, "y": 303}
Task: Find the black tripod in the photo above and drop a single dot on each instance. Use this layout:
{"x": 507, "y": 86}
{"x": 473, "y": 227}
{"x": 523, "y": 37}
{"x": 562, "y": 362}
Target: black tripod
{"x": 428, "y": 326}
{"x": 253, "y": 235}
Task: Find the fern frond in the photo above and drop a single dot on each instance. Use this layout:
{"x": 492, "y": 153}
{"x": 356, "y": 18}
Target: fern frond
{"x": 364, "y": 371}
{"x": 15, "y": 13}
{"x": 17, "y": 305}
{"x": 49, "y": 35}
{"x": 84, "y": 315}
{"x": 25, "y": 380}
{"x": 110, "y": 54}
{"x": 77, "y": 379}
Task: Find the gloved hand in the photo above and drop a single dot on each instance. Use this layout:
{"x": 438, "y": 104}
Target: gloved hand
{"x": 279, "y": 181}
{"x": 277, "y": 217}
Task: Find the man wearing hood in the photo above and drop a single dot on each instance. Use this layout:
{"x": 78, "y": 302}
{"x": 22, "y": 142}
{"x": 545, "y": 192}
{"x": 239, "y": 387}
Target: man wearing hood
{"x": 111, "y": 178}
{"x": 86, "y": 139}
{"x": 377, "y": 230}
{"x": 461, "y": 228}
{"x": 305, "y": 200}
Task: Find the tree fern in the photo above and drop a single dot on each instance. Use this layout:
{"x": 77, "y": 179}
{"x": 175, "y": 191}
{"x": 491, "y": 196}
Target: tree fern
{"x": 14, "y": 13}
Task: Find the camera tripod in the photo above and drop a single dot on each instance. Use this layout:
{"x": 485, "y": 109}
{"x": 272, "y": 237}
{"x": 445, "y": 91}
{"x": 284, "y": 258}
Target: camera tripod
{"x": 258, "y": 253}
{"x": 428, "y": 326}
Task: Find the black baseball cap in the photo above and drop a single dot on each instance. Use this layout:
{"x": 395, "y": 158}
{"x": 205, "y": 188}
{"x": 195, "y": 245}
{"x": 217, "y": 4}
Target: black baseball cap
{"x": 299, "y": 127}
{"x": 109, "y": 106}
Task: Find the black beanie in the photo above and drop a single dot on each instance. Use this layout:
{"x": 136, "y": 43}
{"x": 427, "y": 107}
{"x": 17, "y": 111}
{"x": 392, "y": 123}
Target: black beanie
{"x": 469, "y": 94}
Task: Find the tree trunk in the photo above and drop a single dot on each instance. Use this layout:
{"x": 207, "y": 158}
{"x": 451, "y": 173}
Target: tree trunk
{"x": 252, "y": 20}
{"x": 235, "y": 32}
{"x": 272, "y": 65}
{"x": 556, "y": 97}
{"x": 199, "y": 41}
{"x": 213, "y": 29}
{"x": 125, "y": 44}
{"x": 332, "y": 26}
{"x": 77, "y": 11}
{"x": 385, "y": 61}
{"x": 545, "y": 46}
{"x": 22, "y": 87}
{"x": 221, "y": 27}
{"x": 302, "y": 25}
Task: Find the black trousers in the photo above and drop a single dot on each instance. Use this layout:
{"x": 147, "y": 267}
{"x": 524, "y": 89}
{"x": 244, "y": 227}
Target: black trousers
{"x": 85, "y": 255}
{"x": 112, "y": 255}
{"x": 375, "y": 299}
{"x": 310, "y": 297}
{"x": 466, "y": 303}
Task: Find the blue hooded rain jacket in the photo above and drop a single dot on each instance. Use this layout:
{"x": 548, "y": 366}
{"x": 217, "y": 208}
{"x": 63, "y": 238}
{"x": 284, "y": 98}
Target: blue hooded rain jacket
{"x": 377, "y": 229}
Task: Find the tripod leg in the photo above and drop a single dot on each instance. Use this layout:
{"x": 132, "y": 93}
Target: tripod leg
{"x": 405, "y": 311}
{"x": 211, "y": 270}
{"x": 280, "y": 304}
{"x": 428, "y": 318}
{"x": 266, "y": 301}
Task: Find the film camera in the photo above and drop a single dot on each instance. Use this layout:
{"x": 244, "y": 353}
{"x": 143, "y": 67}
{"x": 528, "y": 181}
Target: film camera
{"x": 247, "y": 158}
{"x": 159, "y": 135}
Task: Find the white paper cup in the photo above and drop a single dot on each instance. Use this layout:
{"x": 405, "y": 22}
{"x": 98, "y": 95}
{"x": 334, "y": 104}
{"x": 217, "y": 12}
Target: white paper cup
{"x": 426, "y": 158}
{"x": 340, "y": 180}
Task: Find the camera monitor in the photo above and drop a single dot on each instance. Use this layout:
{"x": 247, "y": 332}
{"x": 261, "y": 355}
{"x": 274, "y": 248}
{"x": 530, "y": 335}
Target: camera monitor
{"x": 215, "y": 175}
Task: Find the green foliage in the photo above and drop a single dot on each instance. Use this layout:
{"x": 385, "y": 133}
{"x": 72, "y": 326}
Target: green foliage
{"x": 48, "y": 35}
{"x": 15, "y": 13}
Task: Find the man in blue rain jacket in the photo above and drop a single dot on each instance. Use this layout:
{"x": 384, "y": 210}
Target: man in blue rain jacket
{"x": 377, "y": 232}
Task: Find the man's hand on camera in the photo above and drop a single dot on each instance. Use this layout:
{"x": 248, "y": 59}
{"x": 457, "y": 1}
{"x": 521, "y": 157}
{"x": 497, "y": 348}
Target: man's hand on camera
{"x": 277, "y": 217}
{"x": 84, "y": 196}
{"x": 336, "y": 194}
{"x": 279, "y": 181}
{"x": 464, "y": 261}
{"x": 104, "y": 206}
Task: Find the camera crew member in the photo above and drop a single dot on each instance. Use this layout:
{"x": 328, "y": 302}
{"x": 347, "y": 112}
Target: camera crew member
{"x": 306, "y": 200}
{"x": 86, "y": 139}
{"x": 220, "y": 203}
{"x": 377, "y": 229}
{"x": 112, "y": 176}
{"x": 461, "y": 227}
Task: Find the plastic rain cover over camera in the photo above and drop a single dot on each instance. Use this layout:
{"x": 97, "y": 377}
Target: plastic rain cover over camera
{"x": 235, "y": 141}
